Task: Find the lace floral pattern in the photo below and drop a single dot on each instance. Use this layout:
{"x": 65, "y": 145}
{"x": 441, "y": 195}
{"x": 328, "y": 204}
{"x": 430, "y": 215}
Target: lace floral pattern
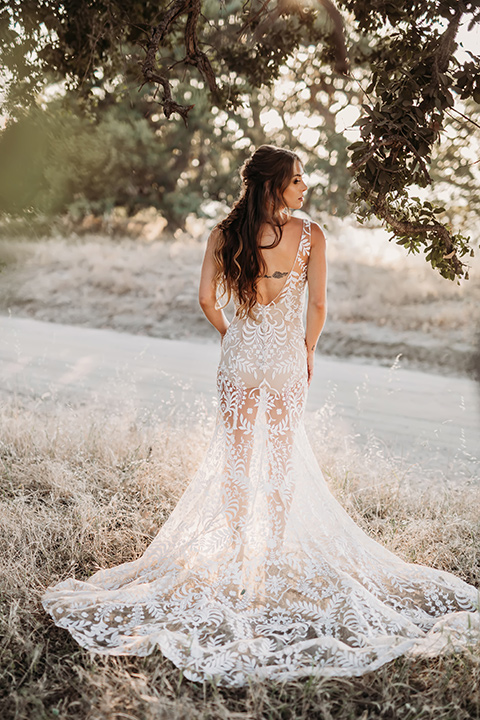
{"x": 259, "y": 572}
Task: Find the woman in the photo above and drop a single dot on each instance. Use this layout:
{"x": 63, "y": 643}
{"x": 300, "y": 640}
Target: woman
{"x": 259, "y": 572}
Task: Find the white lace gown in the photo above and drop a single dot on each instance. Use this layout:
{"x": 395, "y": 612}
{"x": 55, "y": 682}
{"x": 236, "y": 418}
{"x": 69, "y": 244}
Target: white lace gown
{"x": 259, "y": 572}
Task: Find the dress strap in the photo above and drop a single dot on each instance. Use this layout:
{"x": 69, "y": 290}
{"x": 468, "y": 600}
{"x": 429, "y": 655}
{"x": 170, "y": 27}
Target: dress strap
{"x": 306, "y": 242}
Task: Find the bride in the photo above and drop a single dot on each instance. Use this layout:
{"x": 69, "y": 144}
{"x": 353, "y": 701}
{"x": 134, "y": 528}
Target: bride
{"x": 259, "y": 572}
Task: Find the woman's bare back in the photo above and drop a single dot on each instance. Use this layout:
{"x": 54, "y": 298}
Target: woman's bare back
{"x": 279, "y": 260}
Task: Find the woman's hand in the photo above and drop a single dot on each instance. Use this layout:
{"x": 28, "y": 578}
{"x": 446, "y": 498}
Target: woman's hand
{"x": 310, "y": 364}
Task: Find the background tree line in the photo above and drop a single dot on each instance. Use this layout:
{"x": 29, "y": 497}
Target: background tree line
{"x": 64, "y": 156}
{"x": 96, "y": 95}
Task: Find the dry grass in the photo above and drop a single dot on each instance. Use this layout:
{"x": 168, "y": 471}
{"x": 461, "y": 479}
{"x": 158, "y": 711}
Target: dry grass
{"x": 376, "y": 281}
{"x": 381, "y": 302}
{"x": 82, "y": 489}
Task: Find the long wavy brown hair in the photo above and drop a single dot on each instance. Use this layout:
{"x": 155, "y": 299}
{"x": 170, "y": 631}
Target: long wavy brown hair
{"x": 239, "y": 262}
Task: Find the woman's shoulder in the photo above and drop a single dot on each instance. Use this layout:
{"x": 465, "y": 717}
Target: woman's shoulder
{"x": 317, "y": 234}
{"x": 215, "y": 234}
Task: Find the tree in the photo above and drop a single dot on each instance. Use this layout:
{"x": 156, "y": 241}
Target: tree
{"x": 61, "y": 157}
{"x": 403, "y": 51}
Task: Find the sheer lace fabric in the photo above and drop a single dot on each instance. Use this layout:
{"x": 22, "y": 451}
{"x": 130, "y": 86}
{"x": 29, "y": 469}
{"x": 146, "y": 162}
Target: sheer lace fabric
{"x": 259, "y": 572}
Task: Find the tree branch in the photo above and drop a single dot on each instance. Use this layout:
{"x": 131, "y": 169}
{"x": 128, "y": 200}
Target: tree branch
{"x": 338, "y": 37}
{"x": 465, "y": 117}
{"x": 446, "y": 43}
{"x": 149, "y": 66}
{"x": 168, "y": 103}
{"x": 267, "y": 17}
{"x": 393, "y": 140}
{"x": 251, "y": 20}
{"x": 194, "y": 55}
{"x": 406, "y": 227}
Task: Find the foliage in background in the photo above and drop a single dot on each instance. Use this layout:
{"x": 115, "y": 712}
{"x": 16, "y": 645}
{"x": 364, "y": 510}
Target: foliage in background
{"x": 201, "y": 54}
{"x": 62, "y": 156}
{"x": 59, "y": 159}
{"x": 456, "y": 168}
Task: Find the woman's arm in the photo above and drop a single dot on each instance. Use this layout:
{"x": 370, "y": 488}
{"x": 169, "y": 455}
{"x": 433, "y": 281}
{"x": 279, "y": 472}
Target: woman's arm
{"x": 207, "y": 293}
{"x": 317, "y": 295}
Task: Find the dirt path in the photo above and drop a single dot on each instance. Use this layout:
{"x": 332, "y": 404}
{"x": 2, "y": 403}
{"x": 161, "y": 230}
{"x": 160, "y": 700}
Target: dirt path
{"x": 382, "y": 303}
{"x": 424, "y": 418}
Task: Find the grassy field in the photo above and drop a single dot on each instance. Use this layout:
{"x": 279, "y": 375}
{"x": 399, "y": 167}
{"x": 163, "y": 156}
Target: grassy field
{"x": 81, "y": 489}
{"x": 382, "y": 303}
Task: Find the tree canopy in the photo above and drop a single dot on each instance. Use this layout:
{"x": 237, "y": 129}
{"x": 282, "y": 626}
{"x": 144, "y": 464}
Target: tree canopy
{"x": 195, "y": 58}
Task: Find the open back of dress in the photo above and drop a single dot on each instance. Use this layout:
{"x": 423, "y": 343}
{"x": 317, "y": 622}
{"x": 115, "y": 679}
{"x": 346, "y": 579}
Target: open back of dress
{"x": 259, "y": 572}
